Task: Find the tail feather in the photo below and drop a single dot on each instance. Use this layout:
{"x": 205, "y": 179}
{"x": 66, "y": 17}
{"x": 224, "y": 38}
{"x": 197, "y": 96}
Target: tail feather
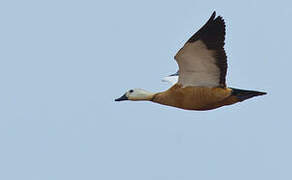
{"x": 245, "y": 94}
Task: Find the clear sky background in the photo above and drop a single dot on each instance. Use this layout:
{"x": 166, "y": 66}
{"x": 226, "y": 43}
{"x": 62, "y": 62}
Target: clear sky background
{"x": 62, "y": 63}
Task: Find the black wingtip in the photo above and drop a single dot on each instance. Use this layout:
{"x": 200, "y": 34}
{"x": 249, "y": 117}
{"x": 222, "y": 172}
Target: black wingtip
{"x": 211, "y": 18}
{"x": 213, "y": 29}
{"x": 213, "y": 14}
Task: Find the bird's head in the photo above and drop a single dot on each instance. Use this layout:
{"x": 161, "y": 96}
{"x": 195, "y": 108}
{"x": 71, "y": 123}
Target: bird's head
{"x": 136, "y": 95}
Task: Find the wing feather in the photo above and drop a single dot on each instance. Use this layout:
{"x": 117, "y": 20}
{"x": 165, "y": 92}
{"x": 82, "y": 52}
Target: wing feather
{"x": 202, "y": 60}
{"x": 172, "y": 79}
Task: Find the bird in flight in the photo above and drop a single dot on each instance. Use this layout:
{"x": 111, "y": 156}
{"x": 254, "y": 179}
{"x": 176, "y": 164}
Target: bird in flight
{"x": 201, "y": 82}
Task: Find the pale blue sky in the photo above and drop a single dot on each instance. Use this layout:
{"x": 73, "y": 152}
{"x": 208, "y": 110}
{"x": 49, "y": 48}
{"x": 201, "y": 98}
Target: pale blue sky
{"x": 62, "y": 63}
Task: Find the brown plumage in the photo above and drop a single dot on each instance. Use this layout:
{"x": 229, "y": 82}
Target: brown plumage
{"x": 194, "y": 98}
{"x": 202, "y": 72}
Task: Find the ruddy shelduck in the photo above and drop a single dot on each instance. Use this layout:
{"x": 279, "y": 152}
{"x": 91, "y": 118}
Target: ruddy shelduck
{"x": 201, "y": 85}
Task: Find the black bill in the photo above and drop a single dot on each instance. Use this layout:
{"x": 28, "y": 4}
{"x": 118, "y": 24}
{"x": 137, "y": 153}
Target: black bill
{"x": 122, "y": 98}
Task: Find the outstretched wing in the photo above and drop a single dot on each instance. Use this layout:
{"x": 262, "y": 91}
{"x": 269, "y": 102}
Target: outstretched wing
{"x": 202, "y": 60}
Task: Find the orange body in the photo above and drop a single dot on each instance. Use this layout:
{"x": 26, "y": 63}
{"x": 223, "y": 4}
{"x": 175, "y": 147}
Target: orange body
{"x": 196, "y": 98}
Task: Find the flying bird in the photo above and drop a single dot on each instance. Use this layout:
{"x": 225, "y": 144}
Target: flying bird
{"x": 200, "y": 82}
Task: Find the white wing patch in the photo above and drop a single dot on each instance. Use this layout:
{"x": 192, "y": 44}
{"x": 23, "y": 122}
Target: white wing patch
{"x": 170, "y": 79}
{"x": 197, "y": 66}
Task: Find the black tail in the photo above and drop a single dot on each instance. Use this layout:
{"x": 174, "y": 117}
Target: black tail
{"x": 245, "y": 94}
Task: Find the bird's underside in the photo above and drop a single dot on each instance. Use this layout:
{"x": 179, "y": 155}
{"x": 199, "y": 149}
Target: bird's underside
{"x": 195, "y": 98}
{"x": 202, "y": 98}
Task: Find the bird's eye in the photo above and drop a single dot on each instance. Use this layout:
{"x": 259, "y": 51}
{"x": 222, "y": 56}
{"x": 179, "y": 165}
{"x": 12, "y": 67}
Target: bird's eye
{"x": 131, "y": 91}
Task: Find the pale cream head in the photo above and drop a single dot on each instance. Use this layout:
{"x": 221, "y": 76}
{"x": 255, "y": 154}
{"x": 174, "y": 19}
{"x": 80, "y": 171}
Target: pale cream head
{"x": 136, "y": 95}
